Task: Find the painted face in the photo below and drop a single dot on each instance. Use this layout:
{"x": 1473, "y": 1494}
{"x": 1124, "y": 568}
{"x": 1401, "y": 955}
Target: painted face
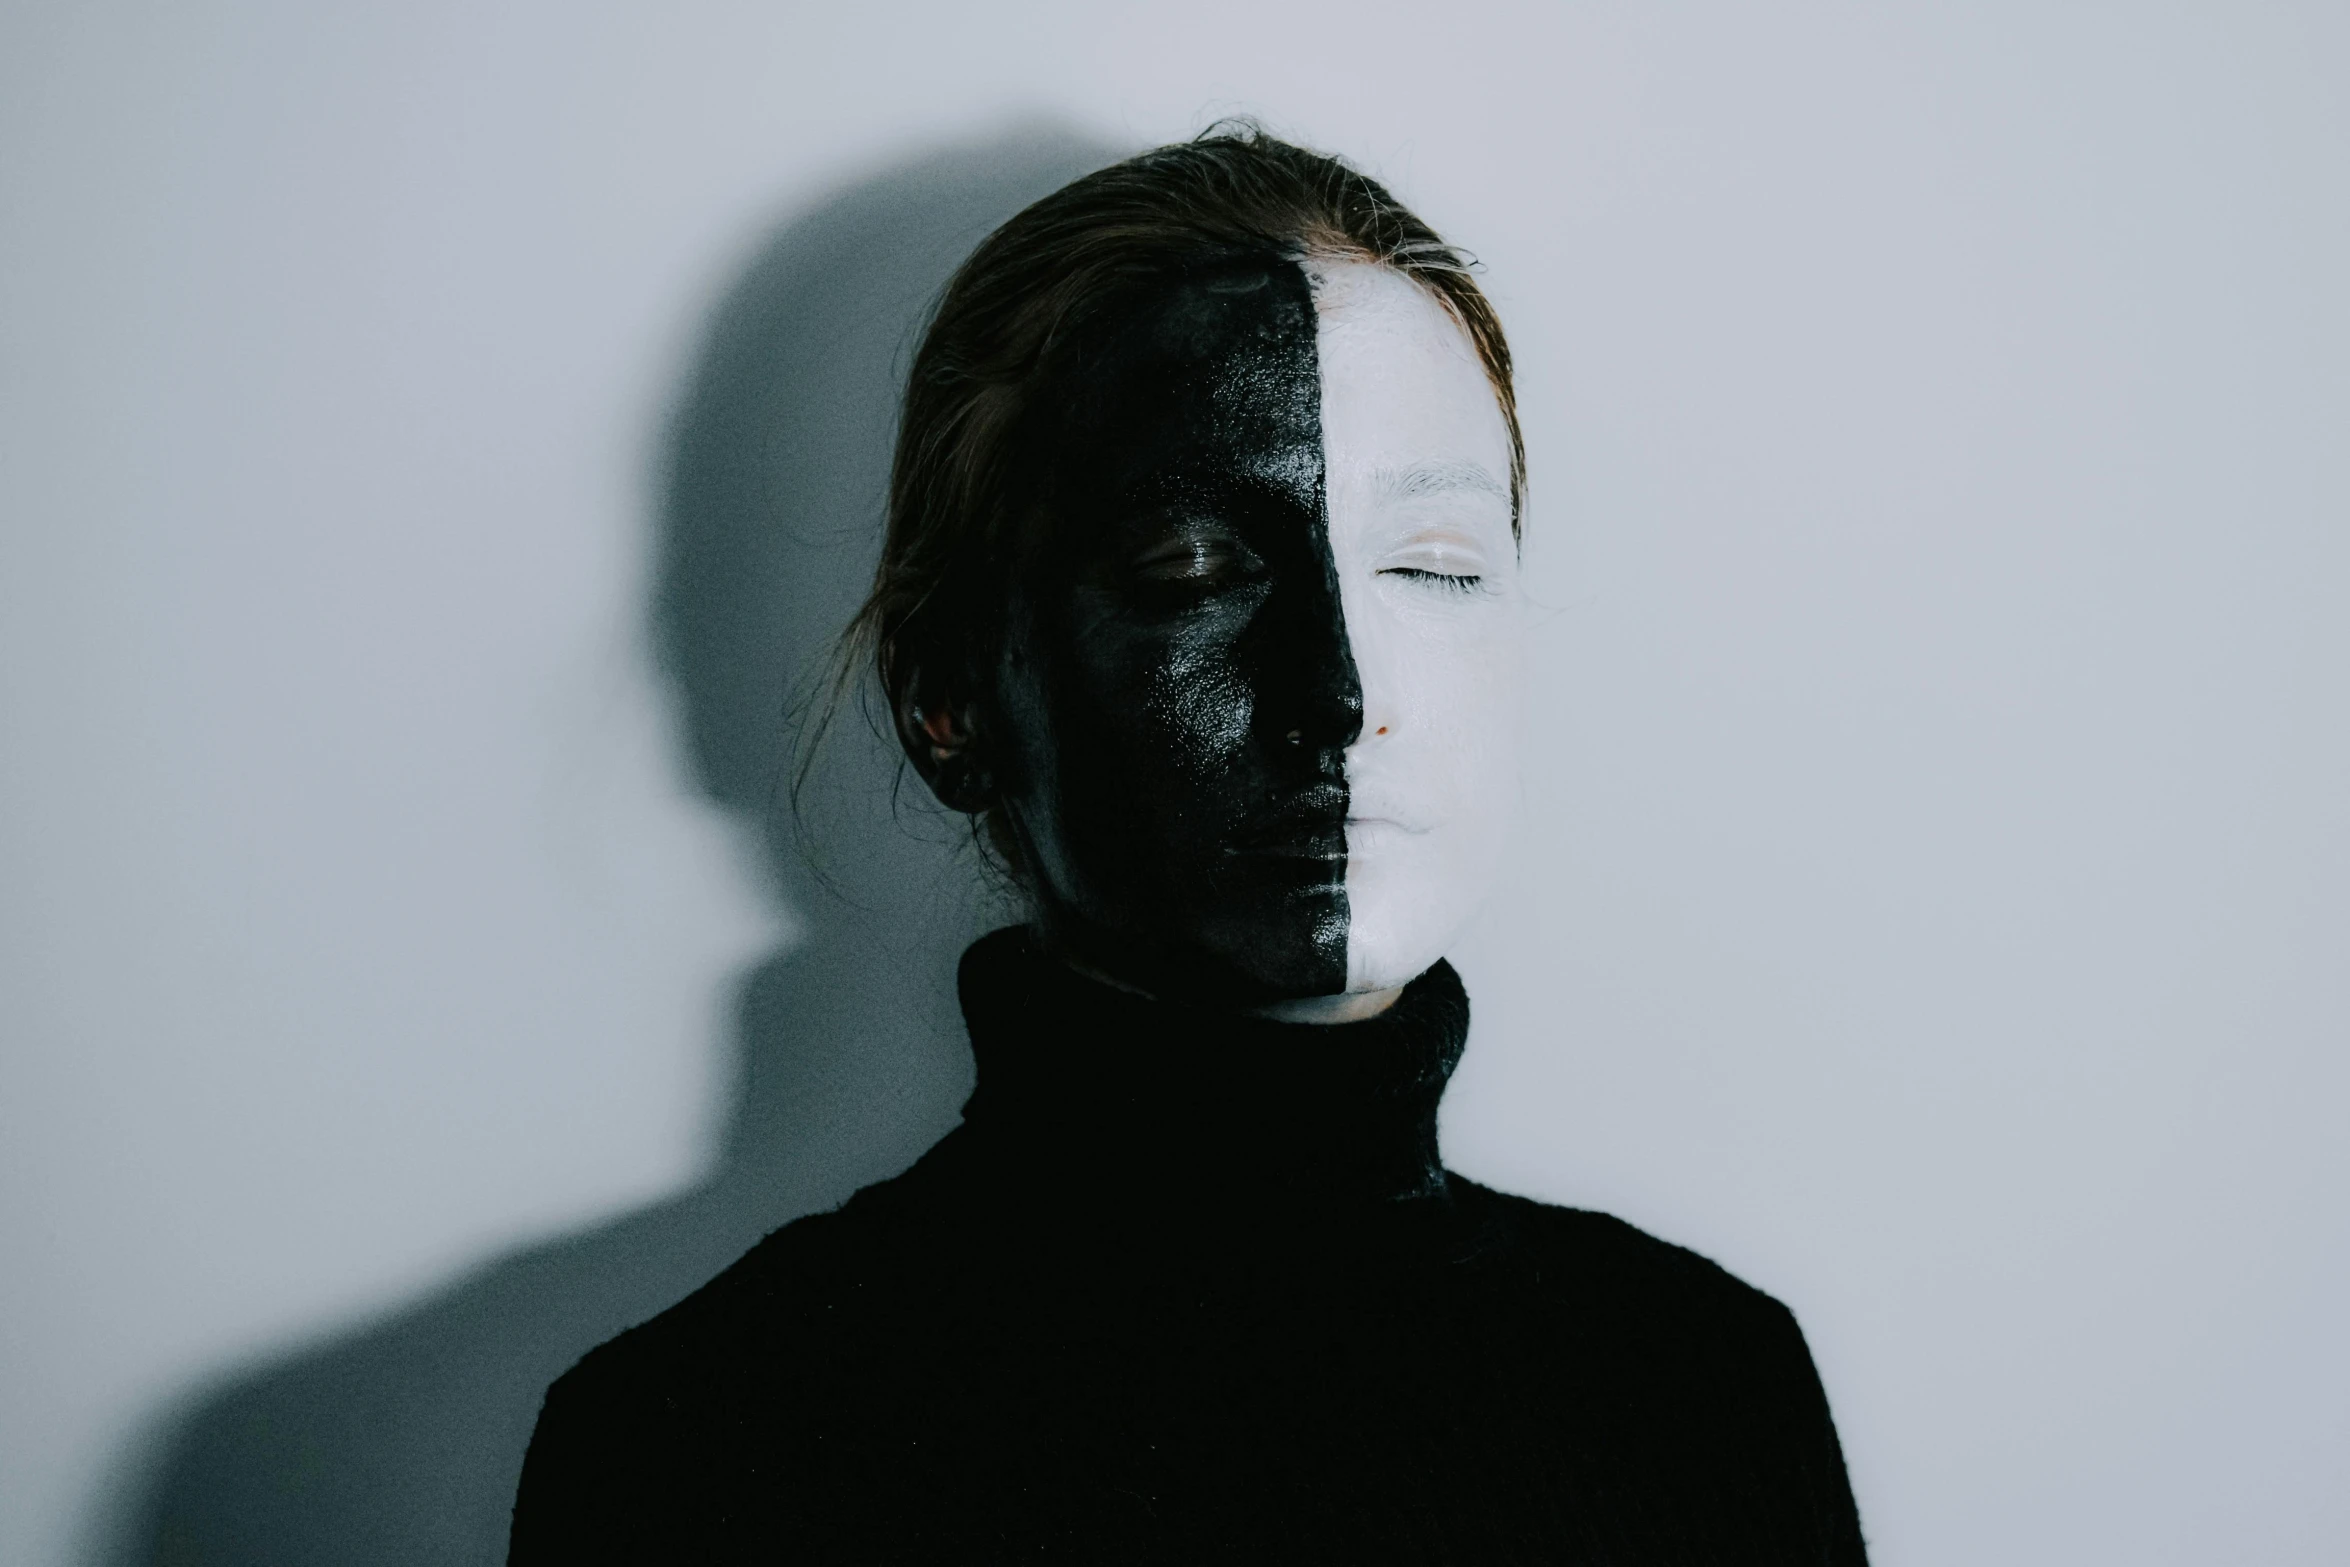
{"x": 1260, "y": 691}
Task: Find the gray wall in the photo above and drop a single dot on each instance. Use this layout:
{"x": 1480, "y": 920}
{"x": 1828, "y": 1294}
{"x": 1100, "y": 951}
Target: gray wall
{"x": 432, "y": 437}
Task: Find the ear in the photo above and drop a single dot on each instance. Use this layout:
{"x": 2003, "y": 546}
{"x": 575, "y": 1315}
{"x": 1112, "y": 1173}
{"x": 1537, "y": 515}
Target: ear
{"x": 940, "y": 731}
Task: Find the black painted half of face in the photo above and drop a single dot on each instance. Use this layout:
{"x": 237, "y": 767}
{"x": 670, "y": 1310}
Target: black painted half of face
{"x": 1176, "y": 686}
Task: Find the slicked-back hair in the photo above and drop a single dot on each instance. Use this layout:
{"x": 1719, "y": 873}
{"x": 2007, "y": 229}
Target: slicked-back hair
{"x": 956, "y": 501}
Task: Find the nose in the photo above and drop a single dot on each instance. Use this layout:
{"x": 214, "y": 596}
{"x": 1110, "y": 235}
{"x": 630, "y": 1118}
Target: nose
{"x": 1310, "y": 694}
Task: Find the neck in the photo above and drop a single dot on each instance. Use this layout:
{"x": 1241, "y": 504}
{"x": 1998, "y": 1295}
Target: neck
{"x": 1143, "y": 1096}
{"x": 1348, "y": 1006}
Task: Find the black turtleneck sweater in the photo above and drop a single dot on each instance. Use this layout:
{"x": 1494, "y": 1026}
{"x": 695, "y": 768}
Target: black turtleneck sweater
{"x": 1187, "y": 1287}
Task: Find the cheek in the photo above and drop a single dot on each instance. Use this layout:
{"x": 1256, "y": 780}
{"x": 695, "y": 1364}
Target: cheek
{"x": 1197, "y": 708}
{"x": 1451, "y": 688}
{"x": 1171, "y": 702}
{"x": 1465, "y": 697}
{"x": 1449, "y": 683}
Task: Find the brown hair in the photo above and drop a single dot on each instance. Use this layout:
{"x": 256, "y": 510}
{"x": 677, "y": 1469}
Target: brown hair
{"x": 938, "y": 594}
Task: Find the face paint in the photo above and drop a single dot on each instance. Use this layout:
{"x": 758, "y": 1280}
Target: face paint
{"x": 1417, "y": 461}
{"x": 1176, "y": 684}
{"x": 1256, "y": 696}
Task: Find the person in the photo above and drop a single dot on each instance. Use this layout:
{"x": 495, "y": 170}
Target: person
{"x": 1199, "y": 595}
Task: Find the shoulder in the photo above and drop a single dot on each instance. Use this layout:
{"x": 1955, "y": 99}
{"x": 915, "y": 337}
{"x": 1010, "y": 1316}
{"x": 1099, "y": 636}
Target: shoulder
{"x": 1599, "y": 1266}
{"x": 1604, "y": 1304}
{"x": 669, "y": 1421}
{"x": 1590, "y": 1240}
{"x": 1704, "y": 1383}
{"x": 775, "y": 1307}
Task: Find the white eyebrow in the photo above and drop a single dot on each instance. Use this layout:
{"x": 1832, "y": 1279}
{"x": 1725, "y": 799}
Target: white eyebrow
{"x": 1435, "y": 478}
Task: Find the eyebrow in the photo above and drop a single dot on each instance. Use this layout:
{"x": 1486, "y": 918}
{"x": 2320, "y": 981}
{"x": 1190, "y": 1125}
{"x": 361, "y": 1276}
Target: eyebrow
{"x": 1436, "y": 478}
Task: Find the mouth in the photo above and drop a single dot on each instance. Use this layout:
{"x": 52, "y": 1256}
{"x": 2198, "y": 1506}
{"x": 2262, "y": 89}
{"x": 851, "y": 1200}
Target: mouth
{"x": 1308, "y": 825}
{"x": 1304, "y": 851}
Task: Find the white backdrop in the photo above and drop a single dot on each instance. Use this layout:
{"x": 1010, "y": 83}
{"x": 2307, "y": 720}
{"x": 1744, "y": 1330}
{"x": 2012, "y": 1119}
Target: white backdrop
{"x": 1937, "y": 906}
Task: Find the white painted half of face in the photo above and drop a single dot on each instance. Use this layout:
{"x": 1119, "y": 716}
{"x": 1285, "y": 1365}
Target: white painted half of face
{"x": 1418, "y": 465}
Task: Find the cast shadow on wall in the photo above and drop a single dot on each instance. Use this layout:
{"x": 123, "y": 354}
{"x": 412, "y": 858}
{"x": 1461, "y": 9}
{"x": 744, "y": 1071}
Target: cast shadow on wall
{"x": 401, "y": 1442}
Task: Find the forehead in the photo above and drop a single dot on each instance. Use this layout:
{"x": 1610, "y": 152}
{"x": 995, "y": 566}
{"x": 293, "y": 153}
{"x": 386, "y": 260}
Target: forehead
{"x": 1403, "y": 391}
{"x": 1206, "y": 376}
{"x": 1260, "y": 374}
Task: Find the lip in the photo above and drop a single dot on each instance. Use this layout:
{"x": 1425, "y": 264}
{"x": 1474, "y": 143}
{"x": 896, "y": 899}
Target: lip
{"x": 1307, "y": 853}
{"x": 1403, "y": 827}
{"x": 1309, "y": 825}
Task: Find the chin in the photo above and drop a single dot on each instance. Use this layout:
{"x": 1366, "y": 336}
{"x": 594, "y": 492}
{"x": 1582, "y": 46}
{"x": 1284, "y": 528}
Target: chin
{"x": 1392, "y": 941}
{"x": 1285, "y": 939}
{"x": 1409, "y": 897}
{"x": 1384, "y": 961}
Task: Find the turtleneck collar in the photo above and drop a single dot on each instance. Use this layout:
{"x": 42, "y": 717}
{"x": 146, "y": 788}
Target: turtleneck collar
{"x": 1141, "y": 1098}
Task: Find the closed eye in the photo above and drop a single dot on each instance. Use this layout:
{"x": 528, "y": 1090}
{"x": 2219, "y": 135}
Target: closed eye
{"x": 1194, "y": 558}
{"x": 1443, "y": 581}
